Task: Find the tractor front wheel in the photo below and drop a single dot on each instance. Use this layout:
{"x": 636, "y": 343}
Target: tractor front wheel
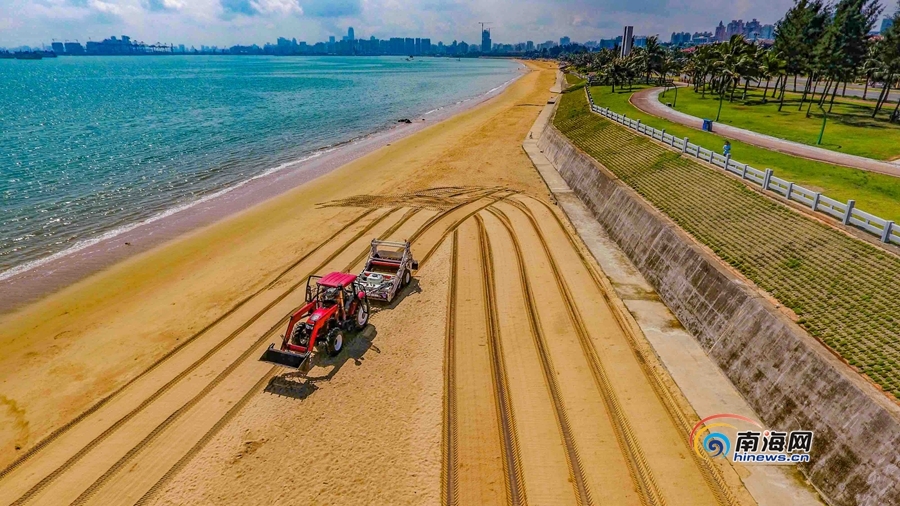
{"x": 407, "y": 277}
{"x": 361, "y": 319}
{"x": 334, "y": 342}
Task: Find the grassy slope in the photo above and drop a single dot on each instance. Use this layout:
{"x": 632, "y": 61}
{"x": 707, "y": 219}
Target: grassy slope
{"x": 874, "y": 193}
{"x": 573, "y": 80}
{"x": 839, "y": 287}
{"x": 850, "y": 127}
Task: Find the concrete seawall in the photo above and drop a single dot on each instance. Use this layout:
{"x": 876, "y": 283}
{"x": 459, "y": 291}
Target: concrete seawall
{"x": 790, "y": 379}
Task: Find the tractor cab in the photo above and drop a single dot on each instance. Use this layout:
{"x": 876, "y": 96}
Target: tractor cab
{"x": 335, "y": 289}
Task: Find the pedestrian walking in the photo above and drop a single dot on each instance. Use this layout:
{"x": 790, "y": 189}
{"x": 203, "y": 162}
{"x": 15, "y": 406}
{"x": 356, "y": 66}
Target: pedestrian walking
{"x": 726, "y": 149}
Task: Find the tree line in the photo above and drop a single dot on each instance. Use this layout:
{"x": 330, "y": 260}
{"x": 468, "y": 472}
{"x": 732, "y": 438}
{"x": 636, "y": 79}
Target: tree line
{"x": 827, "y": 44}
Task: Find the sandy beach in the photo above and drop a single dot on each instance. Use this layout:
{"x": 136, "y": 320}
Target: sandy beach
{"x": 505, "y": 373}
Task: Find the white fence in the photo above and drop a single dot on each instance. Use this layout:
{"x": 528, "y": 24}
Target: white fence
{"x": 847, "y": 212}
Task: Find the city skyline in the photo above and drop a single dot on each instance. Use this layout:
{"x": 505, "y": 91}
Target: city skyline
{"x": 348, "y": 44}
{"x": 229, "y": 22}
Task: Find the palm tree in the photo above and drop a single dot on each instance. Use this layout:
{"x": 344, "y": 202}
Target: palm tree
{"x": 736, "y": 62}
{"x": 772, "y": 65}
{"x": 871, "y": 66}
{"x": 702, "y": 65}
{"x": 616, "y": 72}
{"x": 653, "y": 54}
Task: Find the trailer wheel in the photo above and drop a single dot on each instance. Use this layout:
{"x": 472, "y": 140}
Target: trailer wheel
{"x": 334, "y": 342}
{"x": 361, "y": 318}
{"x": 407, "y": 277}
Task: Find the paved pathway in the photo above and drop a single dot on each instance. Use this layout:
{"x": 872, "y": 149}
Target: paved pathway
{"x": 648, "y": 102}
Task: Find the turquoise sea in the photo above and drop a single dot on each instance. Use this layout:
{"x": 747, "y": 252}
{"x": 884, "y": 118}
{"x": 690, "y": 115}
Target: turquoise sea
{"x": 93, "y": 145}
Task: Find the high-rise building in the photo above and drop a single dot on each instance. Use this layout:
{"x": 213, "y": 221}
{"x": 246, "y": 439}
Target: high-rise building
{"x": 702, "y": 38}
{"x": 564, "y": 41}
{"x": 680, "y": 38}
{"x": 74, "y": 48}
{"x": 409, "y": 46}
{"x": 418, "y": 45}
{"x": 886, "y": 23}
{"x": 767, "y": 32}
{"x": 752, "y": 29}
{"x": 720, "y": 32}
{"x": 426, "y": 46}
{"x": 350, "y": 35}
{"x": 736, "y": 27}
{"x": 627, "y": 41}
{"x": 486, "y": 41}
{"x": 529, "y": 46}
{"x": 396, "y": 45}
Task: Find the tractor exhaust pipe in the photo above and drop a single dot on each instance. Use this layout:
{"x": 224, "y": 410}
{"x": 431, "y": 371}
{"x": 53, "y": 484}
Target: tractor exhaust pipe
{"x": 281, "y": 358}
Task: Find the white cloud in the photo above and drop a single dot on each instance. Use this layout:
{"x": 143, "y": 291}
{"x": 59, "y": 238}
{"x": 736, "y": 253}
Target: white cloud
{"x": 283, "y": 7}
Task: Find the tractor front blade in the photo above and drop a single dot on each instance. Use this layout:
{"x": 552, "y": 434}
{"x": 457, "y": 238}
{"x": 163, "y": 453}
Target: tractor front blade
{"x": 287, "y": 359}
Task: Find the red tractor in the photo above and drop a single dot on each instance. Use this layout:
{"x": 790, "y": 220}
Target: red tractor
{"x": 335, "y": 304}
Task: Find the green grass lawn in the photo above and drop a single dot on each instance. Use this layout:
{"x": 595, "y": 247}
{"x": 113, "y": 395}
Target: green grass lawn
{"x": 838, "y": 286}
{"x": 850, "y": 128}
{"x": 874, "y": 193}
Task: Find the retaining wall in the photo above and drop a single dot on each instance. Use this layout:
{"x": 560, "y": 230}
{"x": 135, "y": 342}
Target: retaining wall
{"x": 791, "y": 380}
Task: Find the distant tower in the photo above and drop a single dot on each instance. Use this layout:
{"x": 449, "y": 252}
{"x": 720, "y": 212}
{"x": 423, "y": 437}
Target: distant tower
{"x": 350, "y": 34}
{"x": 720, "y": 32}
{"x": 486, "y": 41}
{"x": 627, "y": 41}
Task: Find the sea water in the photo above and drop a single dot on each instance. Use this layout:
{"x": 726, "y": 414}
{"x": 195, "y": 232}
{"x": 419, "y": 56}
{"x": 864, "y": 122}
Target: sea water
{"x": 90, "y": 146}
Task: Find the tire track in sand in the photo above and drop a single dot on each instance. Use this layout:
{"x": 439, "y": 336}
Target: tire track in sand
{"x": 78, "y": 419}
{"x": 450, "y": 462}
{"x": 115, "y": 426}
{"x": 448, "y": 192}
{"x": 185, "y": 458}
{"x": 573, "y": 460}
{"x": 112, "y": 471}
{"x": 713, "y": 477}
{"x": 512, "y": 466}
{"x": 629, "y": 445}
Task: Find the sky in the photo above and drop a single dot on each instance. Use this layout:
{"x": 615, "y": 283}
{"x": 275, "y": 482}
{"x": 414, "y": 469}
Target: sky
{"x": 229, "y": 22}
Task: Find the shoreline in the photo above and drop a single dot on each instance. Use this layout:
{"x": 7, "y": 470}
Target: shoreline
{"x": 27, "y": 283}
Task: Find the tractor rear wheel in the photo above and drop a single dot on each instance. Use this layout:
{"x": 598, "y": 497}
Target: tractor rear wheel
{"x": 334, "y": 342}
{"x": 361, "y": 319}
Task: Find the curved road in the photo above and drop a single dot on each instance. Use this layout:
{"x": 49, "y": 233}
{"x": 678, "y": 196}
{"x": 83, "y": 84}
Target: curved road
{"x": 648, "y": 102}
